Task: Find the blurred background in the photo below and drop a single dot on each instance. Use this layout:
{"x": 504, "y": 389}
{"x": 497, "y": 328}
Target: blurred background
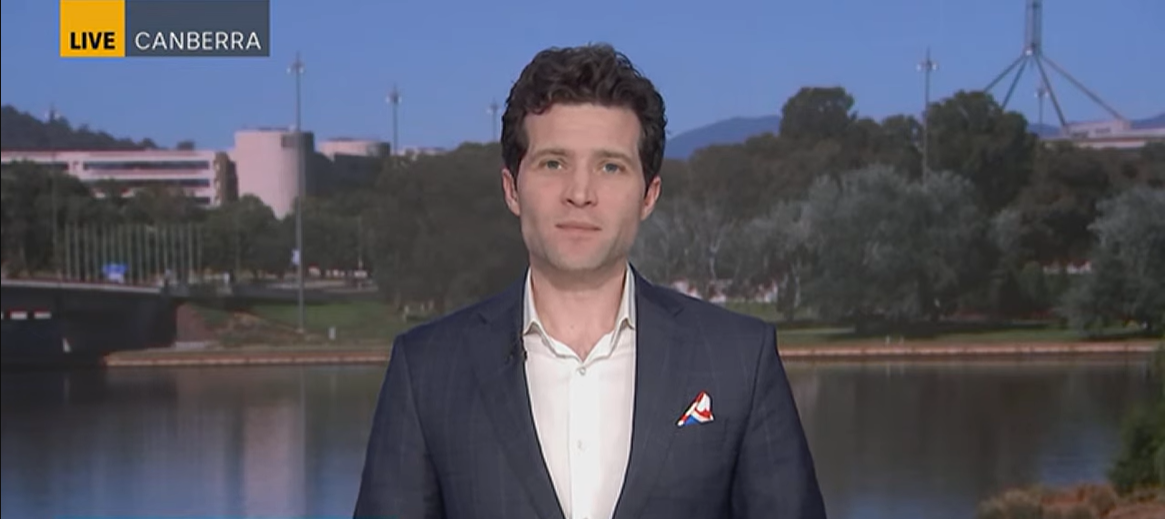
{"x": 953, "y": 211}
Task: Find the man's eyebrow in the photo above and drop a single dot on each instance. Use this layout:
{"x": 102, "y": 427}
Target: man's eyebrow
{"x": 613, "y": 154}
{"x": 560, "y": 152}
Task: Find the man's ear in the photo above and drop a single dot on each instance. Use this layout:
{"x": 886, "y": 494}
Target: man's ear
{"x": 510, "y": 192}
{"x": 650, "y": 198}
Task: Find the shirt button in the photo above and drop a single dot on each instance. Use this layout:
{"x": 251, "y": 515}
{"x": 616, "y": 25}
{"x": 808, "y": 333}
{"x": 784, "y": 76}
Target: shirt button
{"x": 582, "y": 446}
{"x": 582, "y": 371}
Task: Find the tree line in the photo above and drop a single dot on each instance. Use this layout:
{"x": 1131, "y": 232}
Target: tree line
{"x": 835, "y": 217}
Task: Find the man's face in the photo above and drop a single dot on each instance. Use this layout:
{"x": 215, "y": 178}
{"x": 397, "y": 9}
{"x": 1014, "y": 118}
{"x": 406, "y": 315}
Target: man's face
{"x": 580, "y": 192}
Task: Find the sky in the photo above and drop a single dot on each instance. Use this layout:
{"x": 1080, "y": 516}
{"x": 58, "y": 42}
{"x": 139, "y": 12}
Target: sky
{"x": 710, "y": 60}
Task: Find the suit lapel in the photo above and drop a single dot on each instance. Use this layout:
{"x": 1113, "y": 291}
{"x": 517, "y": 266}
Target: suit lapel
{"x": 663, "y": 362}
{"x": 502, "y": 377}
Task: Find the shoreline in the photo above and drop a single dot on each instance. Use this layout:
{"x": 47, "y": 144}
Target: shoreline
{"x": 323, "y": 354}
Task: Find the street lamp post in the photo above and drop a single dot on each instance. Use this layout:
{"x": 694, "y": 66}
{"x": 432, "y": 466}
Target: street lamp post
{"x": 493, "y": 114}
{"x": 53, "y": 191}
{"x": 927, "y": 66}
{"x": 1041, "y": 94}
{"x": 297, "y": 70}
{"x": 394, "y": 100}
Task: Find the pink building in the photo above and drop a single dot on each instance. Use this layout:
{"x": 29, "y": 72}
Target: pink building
{"x": 266, "y": 164}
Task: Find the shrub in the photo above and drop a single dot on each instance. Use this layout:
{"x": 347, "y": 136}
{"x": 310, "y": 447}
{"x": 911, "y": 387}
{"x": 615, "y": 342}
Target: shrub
{"x": 1141, "y": 462}
{"x": 1013, "y": 504}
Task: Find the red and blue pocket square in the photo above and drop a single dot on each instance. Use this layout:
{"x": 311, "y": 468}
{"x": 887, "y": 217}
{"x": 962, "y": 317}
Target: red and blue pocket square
{"x": 700, "y": 411}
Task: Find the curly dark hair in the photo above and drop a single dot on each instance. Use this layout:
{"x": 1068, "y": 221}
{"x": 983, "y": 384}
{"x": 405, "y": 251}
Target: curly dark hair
{"x": 594, "y": 73}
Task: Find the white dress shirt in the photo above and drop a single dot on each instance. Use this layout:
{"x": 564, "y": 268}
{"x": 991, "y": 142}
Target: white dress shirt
{"x": 583, "y": 409}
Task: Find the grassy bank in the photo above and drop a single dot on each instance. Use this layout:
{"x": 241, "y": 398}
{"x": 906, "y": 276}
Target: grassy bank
{"x": 372, "y": 323}
{"x": 359, "y": 323}
{"x": 1079, "y": 502}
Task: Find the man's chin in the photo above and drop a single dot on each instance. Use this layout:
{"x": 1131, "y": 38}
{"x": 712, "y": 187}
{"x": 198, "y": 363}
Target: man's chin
{"x": 578, "y": 264}
{"x": 577, "y": 267}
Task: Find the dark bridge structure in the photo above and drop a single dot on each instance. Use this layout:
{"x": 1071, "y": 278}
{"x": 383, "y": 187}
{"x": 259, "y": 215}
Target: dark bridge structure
{"x": 117, "y": 287}
{"x": 64, "y": 321}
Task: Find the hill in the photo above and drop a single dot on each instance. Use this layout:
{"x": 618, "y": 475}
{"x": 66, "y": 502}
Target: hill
{"x": 23, "y": 131}
{"x": 728, "y": 131}
{"x": 738, "y": 129}
{"x": 1157, "y": 121}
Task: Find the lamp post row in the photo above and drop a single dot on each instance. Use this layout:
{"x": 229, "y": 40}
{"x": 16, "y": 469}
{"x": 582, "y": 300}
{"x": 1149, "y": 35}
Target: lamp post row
{"x": 927, "y": 67}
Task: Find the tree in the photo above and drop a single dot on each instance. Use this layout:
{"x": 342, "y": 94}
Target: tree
{"x": 154, "y": 203}
{"x": 885, "y": 247}
{"x": 24, "y": 131}
{"x": 726, "y": 178}
{"x": 768, "y": 252}
{"x": 331, "y": 231}
{"x": 785, "y": 168}
{"x": 1141, "y": 461}
{"x": 898, "y": 144}
{"x": 245, "y": 236}
{"x": 442, "y": 233}
{"x": 1127, "y": 282}
{"x": 1060, "y": 202}
{"x": 686, "y": 240}
{"x": 1152, "y": 164}
{"x": 820, "y": 128}
{"x": 817, "y": 113}
{"x": 973, "y": 136}
{"x": 29, "y": 192}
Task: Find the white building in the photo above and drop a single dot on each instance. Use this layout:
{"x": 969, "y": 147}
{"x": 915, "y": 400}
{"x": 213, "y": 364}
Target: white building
{"x": 1113, "y": 133}
{"x": 264, "y": 162}
{"x": 417, "y": 151}
{"x": 197, "y": 172}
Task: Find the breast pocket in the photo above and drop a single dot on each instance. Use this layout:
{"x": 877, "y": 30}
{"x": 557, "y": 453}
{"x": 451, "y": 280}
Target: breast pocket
{"x": 699, "y": 461}
{"x": 710, "y": 436}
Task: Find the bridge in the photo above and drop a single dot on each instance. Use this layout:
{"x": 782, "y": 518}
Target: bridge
{"x": 119, "y": 287}
{"x": 55, "y": 320}
{"x": 48, "y": 284}
{"x": 49, "y": 320}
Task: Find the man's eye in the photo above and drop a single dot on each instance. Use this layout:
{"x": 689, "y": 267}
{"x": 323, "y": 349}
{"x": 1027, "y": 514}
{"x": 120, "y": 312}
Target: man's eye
{"x": 611, "y": 167}
{"x": 552, "y": 164}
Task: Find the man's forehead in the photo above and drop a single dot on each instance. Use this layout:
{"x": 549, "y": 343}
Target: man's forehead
{"x": 563, "y": 149}
{"x": 576, "y": 112}
{"x": 583, "y": 132}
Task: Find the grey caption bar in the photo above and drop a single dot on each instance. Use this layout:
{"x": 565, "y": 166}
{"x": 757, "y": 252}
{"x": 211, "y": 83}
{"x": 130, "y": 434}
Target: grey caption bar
{"x": 198, "y": 28}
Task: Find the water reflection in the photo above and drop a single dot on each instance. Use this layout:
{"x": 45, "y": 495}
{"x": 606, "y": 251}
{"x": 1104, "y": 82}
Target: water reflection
{"x": 931, "y": 439}
{"x": 891, "y": 439}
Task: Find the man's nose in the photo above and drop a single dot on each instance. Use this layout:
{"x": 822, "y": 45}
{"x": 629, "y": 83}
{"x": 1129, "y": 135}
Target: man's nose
{"x": 580, "y": 187}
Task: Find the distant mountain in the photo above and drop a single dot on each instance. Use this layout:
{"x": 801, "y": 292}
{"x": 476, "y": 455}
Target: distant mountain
{"x": 729, "y": 131}
{"x": 24, "y": 131}
{"x": 738, "y": 129}
{"x": 1044, "y": 130}
{"x": 1157, "y": 121}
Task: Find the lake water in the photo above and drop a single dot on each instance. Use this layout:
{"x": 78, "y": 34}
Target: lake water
{"x": 892, "y": 440}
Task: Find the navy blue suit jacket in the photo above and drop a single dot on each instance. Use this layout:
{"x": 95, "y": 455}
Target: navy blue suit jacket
{"x": 453, "y": 434}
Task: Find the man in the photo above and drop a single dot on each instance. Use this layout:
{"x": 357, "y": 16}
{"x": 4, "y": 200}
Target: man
{"x": 584, "y": 391}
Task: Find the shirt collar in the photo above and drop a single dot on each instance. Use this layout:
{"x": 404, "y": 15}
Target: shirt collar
{"x": 626, "y": 304}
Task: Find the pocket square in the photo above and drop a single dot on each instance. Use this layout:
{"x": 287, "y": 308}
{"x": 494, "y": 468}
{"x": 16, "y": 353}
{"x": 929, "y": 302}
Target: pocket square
{"x": 700, "y": 411}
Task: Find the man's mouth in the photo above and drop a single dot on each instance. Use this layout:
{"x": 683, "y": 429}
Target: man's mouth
{"x": 578, "y": 226}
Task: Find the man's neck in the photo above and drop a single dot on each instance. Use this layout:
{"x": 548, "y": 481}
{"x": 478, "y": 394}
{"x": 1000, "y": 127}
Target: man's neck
{"x": 575, "y": 309}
